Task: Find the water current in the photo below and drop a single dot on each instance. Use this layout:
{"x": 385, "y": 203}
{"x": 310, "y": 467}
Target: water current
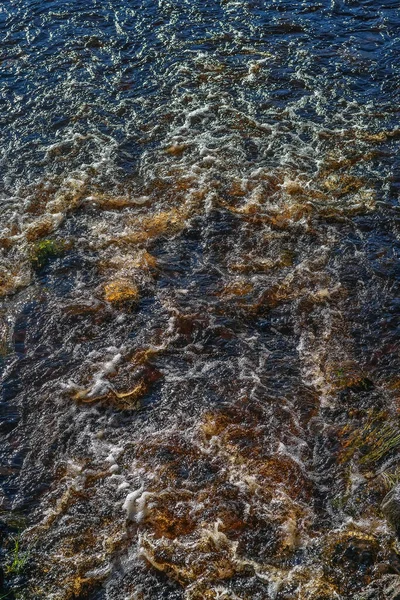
{"x": 199, "y": 279}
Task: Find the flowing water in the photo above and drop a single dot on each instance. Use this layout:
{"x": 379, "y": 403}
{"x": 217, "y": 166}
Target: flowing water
{"x": 199, "y": 271}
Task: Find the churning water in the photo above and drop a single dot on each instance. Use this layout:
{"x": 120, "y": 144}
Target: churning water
{"x": 199, "y": 271}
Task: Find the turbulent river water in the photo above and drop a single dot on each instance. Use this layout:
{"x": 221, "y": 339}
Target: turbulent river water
{"x": 199, "y": 279}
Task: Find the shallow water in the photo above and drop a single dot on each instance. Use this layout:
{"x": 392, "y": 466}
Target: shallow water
{"x": 200, "y": 318}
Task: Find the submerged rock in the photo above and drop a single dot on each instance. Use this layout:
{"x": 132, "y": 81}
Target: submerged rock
{"x": 120, "y": 290}
{"x": 387, "y": 588}
{"x": 391, "y": 507}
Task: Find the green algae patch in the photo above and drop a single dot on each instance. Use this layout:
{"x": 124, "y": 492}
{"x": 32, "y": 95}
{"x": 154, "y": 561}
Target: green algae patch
{"x": 17, "y": 558}
{"x": 372, "y": 442}
{"x": 45, "y": 250}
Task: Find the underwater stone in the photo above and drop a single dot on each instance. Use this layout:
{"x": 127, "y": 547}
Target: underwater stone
{"x": 120, "y": 291}
{"x": 386, "y": 588}
{"x": 391, "y": 507}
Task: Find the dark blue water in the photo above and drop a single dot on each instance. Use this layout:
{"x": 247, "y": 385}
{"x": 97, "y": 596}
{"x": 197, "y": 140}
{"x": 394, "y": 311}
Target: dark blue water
{"x": 199, "y": 273}
{"x": 106, "y": 71}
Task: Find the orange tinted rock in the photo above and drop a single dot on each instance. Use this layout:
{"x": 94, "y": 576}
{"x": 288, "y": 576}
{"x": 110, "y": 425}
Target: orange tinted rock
{"x": 121, "y": 290}
{"x": 176, "y": 149}
{"x": 151, "y": 227}
{"x": 40, "y": 228}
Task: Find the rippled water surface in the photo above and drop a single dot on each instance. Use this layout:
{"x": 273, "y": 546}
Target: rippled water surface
{"x": 199, "y": 277}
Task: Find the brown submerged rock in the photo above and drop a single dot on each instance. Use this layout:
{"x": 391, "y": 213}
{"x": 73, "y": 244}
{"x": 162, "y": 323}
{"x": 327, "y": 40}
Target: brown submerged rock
{"x": 120, "y": 291}
{"x": 391, "y": 507}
